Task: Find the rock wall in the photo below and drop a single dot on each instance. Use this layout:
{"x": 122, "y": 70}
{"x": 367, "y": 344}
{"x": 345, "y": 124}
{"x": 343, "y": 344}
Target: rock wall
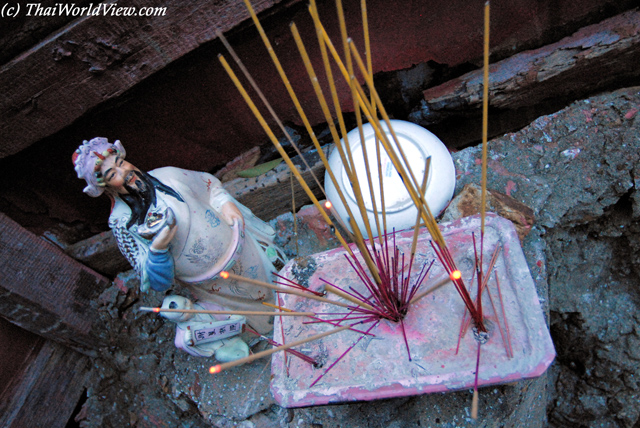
{"x": 578, "y": 170}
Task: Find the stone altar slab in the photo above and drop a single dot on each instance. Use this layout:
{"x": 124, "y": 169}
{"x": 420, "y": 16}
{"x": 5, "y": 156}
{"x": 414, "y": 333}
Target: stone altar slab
{"x": 378, "y": 366}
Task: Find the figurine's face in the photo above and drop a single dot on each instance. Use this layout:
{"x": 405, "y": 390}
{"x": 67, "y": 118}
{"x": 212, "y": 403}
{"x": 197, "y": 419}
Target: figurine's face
{"x": 119, "y": 174}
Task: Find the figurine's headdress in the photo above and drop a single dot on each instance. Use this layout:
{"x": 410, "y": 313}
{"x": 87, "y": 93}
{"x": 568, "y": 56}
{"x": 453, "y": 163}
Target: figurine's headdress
{"x": 88, "y": 158}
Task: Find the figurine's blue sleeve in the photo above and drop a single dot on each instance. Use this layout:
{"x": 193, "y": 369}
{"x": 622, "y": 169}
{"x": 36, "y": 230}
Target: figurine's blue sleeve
{"x": 159, "y": 269}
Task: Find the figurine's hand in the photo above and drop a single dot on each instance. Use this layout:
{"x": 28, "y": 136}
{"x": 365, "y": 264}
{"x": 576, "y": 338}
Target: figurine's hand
{"x": 164, "y": 237}
{"x": 231, "y": 214}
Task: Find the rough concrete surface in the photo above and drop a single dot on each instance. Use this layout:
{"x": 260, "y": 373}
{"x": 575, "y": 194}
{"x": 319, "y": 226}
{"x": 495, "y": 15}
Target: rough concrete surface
{"x": 577, "y": 169}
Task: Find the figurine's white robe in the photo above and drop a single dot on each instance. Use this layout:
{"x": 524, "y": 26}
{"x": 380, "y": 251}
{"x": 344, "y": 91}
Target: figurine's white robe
{"x": 205, "y": 244}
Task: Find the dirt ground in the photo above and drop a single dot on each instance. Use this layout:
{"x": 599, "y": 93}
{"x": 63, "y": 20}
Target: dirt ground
{"x": 577, "y": 169}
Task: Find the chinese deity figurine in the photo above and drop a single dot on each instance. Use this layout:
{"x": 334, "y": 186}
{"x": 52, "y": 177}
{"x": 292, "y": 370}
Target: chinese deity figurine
{"x": 178, "y": 225}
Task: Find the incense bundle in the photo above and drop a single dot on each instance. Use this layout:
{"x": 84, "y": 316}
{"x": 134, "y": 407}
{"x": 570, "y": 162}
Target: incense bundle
{"x": 380, "y": 266}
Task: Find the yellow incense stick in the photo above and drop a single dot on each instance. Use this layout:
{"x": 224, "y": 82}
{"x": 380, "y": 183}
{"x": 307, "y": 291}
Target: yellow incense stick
{"x": 282, "y": 152}
{"x": 423, "y": 190}
{"x": 229, "y": 275}
{"x": 354, "y": 85}
{"x": 358, "y": 239}
{"x": 474, "y": 405}
{"x": 266, "y": 103}
{"x": 293, "y": 211}
{"x": 274, "y": 140}
{"x": 413, "y": 191}
{"x": 271, "y": 305}
{"x": 356, "y": 108}
{"x": 367, "y": 49}
{"x": 385, "y": 116}
{"x": 367, "y": 42}
{"x": 331, "y": 289}
{"x": 204, "y": 311}
{"x": 483, "y": 201}
{"x": 485, "y": 116}
{"x": 429, "y": 290}
{"x": 427, "y": 216}
{"x": 356, "y": 231}
{"x": 220, "y": 367}
{"x": 350, "y": 165}
{"x": 296, "y": 102}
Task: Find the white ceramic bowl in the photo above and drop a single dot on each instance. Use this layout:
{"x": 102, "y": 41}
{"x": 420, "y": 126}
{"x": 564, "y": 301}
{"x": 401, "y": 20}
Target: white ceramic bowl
{"x": 417, "y": 144}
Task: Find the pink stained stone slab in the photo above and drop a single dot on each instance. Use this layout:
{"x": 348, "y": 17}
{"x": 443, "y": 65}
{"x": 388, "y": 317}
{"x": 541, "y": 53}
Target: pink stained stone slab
{"x": 379, "y": 367}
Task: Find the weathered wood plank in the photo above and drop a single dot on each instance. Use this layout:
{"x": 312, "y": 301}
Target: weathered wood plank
{"x": 48, "y": 391}
{"x": 21, "y": 32}
{"x": 96, "y": 58}
{"x": 592, "y": 59}
{"x": 100, "y": 253}
{"x": 269, "y": 195}
{"x": 45, "y": 291}
{"x": 18, "y": 348}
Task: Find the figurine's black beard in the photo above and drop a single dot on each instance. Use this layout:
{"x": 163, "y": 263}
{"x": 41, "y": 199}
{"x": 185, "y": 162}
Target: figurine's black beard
{"x": 143, "y": 196}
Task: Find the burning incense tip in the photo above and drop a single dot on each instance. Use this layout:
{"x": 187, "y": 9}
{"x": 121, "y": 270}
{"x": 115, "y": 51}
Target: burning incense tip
{"x": 224, "y": 274}
{"x": 455, "y": 275}
{"x": 328, "y": 205}
{"x": 214, "y": 369}
{"x": 156, "y": 309}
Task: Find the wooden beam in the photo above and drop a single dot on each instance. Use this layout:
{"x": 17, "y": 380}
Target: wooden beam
{"x": 18, "y": 348}
{"x": 45, "y": 291}
{"x": 592, "y": 59}
{"x": 98, "y": 57}
{"x": 21, "y": 32}
{"x": 101, "y": 253}
{"x": 47, "y": 392}
{"x": 269, "y": 195}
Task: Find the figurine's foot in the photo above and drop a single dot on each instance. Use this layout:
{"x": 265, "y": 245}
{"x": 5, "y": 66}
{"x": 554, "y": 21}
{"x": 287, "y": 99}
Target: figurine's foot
{"x": 232, "y": 349}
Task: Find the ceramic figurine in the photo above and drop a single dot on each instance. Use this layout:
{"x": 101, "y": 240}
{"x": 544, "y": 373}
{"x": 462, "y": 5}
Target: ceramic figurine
{"x": 204, "y": 335}
{"x": 178, "y": 225}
